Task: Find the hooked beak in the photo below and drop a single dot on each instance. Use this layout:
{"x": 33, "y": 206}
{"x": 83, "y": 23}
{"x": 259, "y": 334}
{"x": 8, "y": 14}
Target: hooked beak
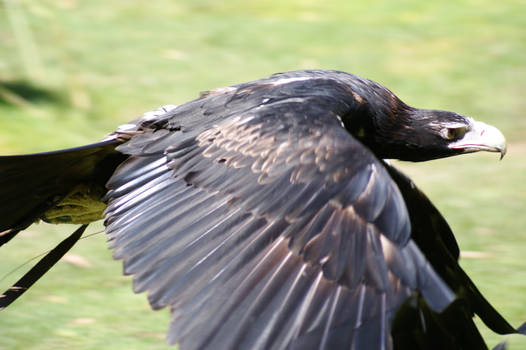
{"x": 481, "y": 137}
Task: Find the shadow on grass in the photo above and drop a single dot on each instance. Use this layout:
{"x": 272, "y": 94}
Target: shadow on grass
{"x": 22, "y": 93}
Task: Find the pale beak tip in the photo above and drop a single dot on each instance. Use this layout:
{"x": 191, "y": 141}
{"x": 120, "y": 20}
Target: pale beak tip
{"x": 503, "y": 151}
{"x": 482, "y": 137}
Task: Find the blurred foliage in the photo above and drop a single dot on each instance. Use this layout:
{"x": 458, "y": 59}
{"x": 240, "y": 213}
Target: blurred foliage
{"x": 72, "y": 70}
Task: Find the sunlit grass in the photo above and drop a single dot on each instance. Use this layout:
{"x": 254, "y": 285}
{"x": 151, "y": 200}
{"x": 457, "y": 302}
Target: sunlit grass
{"x": 109, "y": 62}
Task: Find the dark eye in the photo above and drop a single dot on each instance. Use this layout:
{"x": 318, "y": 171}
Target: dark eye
{"x": 455, "y": 133}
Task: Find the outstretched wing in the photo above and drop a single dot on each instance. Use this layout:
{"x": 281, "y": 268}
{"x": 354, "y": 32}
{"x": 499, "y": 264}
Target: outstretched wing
{"x": 271, "y": 227}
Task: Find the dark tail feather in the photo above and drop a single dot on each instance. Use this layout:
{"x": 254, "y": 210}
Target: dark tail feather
{"x": 40, "y": 268}
{"x": 32, "y": 184}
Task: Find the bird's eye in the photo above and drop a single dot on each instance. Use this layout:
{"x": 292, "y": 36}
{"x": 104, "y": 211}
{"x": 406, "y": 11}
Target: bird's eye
{"x": 455, "y": 133}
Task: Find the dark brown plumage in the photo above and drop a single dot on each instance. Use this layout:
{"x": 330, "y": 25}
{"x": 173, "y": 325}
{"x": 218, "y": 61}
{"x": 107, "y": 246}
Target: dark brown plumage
{"x": 264, "y": 216}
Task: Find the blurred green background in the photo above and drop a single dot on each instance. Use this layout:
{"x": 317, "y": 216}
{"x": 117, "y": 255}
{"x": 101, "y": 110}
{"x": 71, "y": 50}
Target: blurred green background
{"x": 72, "y": 70}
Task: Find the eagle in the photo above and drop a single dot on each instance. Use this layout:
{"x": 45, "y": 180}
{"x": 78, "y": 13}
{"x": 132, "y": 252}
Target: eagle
{"x": 266, "y": 215}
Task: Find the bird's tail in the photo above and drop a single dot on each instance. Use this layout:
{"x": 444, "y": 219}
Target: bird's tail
{"x": 59, "y": 186}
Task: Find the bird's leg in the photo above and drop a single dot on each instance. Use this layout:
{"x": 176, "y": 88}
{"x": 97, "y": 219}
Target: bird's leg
{"x": 81, "y": 206}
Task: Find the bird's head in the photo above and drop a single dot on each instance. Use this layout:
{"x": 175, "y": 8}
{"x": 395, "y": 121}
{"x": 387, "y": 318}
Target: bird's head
{"x": 423, "y": 134}
{"x": 394, "y": 130}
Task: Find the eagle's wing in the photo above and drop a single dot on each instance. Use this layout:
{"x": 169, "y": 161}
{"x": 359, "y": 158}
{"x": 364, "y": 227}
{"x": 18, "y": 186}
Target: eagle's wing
{"x": 455, "y": 327}
{"x": 271, "y": 228}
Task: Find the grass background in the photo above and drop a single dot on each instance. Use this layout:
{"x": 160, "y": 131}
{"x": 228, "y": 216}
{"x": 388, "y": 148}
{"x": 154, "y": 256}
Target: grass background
{"x": 72, "y": 70}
